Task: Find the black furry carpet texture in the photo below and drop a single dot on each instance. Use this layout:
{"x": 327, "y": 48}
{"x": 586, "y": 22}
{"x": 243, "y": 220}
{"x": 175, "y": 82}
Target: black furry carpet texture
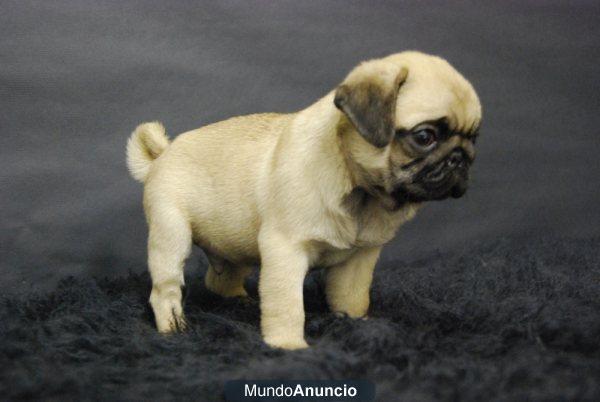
{"x": 509, "y": 320}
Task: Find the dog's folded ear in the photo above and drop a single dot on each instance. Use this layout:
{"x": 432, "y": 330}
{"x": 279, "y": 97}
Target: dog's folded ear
{"x": 368, "y": 99}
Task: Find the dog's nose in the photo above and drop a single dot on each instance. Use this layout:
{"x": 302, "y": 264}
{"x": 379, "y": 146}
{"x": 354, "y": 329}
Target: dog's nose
{"x": 455, "y": 159}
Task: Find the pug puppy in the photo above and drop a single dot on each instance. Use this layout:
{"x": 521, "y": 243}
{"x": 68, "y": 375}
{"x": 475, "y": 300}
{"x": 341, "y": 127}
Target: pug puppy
{"x": 326, "y": 187}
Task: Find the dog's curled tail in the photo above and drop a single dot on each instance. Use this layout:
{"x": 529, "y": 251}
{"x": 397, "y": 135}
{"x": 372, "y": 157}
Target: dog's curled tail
{"x": 146, "y": 143}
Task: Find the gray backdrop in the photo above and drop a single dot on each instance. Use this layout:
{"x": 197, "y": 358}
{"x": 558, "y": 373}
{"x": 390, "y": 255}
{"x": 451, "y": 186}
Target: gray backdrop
{"x": 77, "y": 77}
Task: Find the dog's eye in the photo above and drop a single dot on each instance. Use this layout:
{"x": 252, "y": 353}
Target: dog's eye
{"x": 425, "y": 137}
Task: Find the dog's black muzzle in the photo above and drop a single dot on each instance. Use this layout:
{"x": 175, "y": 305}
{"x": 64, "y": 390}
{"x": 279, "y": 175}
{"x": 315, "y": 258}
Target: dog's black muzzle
{"x": 447, "y": 178}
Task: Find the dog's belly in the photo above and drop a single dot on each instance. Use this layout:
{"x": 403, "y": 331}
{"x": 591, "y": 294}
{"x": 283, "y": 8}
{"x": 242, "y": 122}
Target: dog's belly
{"x": 237, "y": 244}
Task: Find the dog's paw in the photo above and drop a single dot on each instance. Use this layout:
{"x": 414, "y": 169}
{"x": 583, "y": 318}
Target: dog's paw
{"x": 248, "y": 300}
{"x": 168, "y": 312}
{"x": 231, "y": 292}
{"x": 286, "y": 343}
{"x": 357, "y": 316}
{"x": 172, "y": 324}
{"x": 178, "y": 323}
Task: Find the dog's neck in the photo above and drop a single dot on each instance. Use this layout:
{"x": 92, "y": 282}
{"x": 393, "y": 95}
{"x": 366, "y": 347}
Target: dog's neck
{"x": 365, "y": 187}
{"x": 313, "y": 127}
{"x": 331, "y": 136}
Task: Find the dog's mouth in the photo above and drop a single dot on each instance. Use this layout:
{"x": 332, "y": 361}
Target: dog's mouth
{"x": 447, "y": 178}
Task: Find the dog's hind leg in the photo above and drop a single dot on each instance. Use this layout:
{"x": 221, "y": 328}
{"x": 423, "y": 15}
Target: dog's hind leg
{"x": 169, "y": 245}
{"x": 226, "y": 279}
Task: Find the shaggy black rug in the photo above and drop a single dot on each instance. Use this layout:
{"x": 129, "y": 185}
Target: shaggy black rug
{"x": 515, "y": 319}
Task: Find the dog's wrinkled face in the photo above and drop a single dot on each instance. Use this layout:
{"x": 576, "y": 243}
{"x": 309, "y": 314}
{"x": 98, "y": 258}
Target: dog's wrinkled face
{"x": 410, "y": 128}
{"x": 440, "y": 161}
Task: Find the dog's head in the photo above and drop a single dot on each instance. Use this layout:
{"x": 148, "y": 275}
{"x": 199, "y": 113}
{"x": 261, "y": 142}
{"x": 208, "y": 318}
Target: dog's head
{"x": 409, "y": 127}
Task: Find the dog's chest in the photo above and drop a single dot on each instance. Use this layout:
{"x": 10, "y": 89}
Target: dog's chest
{"x": 375, "y": 227}
{"x": 369, "y": 226}
{"x": 373, "y": 224}
{"x": 371, "y": 235}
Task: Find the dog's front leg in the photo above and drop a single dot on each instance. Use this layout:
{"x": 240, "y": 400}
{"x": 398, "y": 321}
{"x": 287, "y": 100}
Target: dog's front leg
{"x": 283, "y": 267}
{"x": 348, "y": 284}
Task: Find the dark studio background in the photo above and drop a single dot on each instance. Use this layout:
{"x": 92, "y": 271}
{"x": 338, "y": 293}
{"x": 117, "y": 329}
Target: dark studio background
{"x": 77, "y": 77}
